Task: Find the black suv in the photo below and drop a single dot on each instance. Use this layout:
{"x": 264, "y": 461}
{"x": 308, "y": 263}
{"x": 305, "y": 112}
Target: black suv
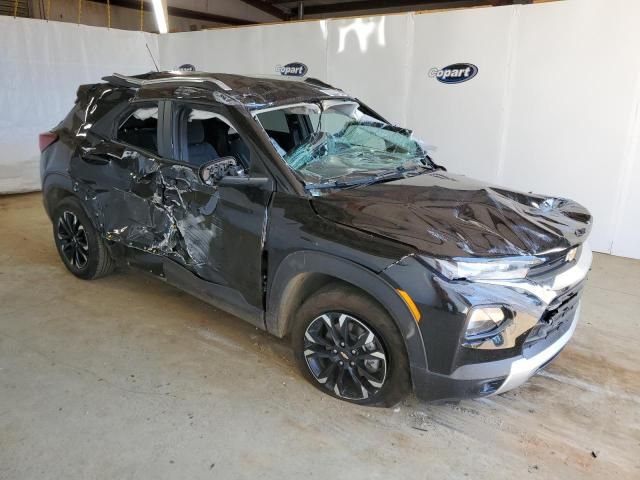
{"x": 299, "y": 209}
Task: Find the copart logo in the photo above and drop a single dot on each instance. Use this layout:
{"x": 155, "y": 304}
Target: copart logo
{"x": 295, "y": 69}
{"x": 456, "y": 73}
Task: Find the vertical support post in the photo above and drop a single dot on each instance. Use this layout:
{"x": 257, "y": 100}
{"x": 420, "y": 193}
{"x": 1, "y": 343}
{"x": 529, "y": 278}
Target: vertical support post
{"x": 141, "y": 15}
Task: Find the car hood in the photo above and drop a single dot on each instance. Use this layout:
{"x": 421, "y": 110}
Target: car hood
{"x": 449, "y": 215}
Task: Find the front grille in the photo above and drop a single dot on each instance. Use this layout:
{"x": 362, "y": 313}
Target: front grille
{"x": 557, "y": 318}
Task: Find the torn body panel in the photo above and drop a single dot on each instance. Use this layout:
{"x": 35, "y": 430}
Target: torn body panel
{"x": 142, "y": 200}
{"x": 447, "y": 215}
{"x": 164, "y": 209}
{"x": 240, "y": 90}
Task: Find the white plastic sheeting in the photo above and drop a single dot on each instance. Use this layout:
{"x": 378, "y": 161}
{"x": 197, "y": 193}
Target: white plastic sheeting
{"x": 569, "y": 120}
{"x": 463, "y": 121}
{"x": 41, "y": 66}
{"x": 248, "y": 50}
{"x": 555, "y": 107}
{"x": 369, "y": 57}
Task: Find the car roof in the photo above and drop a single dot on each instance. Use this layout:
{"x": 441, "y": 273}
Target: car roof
{"x": 250, "y": 91}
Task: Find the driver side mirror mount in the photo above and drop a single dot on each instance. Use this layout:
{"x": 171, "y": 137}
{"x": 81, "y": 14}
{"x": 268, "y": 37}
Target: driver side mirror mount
{"x": 225, "y": 171}
{"x": 215, "y": 170}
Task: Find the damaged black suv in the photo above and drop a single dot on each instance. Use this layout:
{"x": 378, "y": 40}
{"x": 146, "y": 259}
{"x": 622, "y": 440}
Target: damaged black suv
{"x": 299, "y": 209}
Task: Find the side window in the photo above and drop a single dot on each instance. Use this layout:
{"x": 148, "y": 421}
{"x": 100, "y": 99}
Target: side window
{"x": 208, "y": 135}
{"x": 329, "y": 122}
{"x": 140, "y": 128}
{"x": 274, "y": 121}
{"x": 286, "y": 130}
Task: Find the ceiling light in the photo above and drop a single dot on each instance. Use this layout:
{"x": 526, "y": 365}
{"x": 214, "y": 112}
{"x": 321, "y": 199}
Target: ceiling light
{"x": 161, "y": 17}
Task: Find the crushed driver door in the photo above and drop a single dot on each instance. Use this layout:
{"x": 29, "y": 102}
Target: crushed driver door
{"x": 219, "y": 228}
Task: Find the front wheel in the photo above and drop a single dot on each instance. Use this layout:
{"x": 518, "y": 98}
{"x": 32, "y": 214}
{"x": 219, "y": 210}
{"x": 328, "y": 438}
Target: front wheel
{"x": 348, "y": 346}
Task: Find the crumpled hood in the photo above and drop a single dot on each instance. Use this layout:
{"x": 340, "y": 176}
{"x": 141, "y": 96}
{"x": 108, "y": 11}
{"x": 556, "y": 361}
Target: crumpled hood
{"x": 449, "y": 215}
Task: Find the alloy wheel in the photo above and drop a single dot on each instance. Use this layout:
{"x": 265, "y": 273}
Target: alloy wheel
{"x": 345, "y": 356}
{"x": 73, "y": 240}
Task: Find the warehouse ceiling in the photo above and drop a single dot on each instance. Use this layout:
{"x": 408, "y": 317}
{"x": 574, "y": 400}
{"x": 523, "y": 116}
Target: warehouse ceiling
{"x": 287, "y": 9}
{"x": 201, "y": 14}
{"x": 268, "y": 11}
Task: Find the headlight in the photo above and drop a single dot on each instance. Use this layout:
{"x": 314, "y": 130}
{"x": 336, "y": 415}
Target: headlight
{"x": 484, "y": 320}
{"x": 505, "y": 268}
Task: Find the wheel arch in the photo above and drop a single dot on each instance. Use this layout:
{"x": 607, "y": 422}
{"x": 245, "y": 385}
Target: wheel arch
{"x": 55, "y": 187}
{"x": 301, "y": 273}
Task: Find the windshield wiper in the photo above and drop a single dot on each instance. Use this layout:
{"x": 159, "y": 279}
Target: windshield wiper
{"x": 363, "y": 182}
{"x": 336, "y": 184}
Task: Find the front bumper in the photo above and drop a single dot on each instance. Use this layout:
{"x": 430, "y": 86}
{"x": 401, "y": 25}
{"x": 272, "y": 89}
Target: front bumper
{"x": 524, "y": 368}
{"x": 546, "y": 312}
{"x": 491, "y": 378}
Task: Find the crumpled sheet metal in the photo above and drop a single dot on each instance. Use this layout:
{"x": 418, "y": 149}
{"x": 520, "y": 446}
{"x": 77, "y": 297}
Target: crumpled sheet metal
{"x": 144, "y": 205}
{"x": 264, "y": 92}
{"x": 447, "y": 215}
{"x": 527, "y": 308}
{"x": 248, "y": 92}
{"x": 155, "y": 214}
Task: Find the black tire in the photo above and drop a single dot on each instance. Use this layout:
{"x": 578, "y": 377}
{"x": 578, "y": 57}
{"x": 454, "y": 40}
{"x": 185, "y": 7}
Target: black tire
{"x": 80, "y": 247}
{"x": 315, "y": 347}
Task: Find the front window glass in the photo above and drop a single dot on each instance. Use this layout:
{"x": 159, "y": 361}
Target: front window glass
{"x": 209, "y": 136}
{"x": 335, "y": 143}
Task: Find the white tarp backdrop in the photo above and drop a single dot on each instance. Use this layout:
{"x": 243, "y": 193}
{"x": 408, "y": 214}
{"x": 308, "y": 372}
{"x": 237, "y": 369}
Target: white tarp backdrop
{"x": 554, "y": 108}
{"x": 41, "y": 66}
{"x": 370, "y": 57}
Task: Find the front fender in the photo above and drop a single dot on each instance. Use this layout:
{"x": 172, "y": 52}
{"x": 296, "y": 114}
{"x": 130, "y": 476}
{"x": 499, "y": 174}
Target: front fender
{"x": 298, "y": 264}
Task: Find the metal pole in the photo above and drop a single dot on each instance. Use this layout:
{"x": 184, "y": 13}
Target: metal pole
{"x": 141, "y": 15}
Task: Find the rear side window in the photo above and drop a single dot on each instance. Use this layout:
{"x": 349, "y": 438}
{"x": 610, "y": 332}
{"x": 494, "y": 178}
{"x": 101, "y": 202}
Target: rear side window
{"x": 140, "y": 129}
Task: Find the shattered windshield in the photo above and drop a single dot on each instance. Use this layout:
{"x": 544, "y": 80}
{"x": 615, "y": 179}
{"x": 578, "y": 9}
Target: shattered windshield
{"x": 333, "y": 143}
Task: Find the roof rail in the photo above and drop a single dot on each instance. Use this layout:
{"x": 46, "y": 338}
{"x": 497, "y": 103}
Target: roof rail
{"x": 125, "y": 81}
{"x": 122, "y": 81}
{"x": 319, "y": 83}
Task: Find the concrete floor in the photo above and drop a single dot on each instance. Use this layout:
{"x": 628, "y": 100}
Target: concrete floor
{"x": 126, "y": 377}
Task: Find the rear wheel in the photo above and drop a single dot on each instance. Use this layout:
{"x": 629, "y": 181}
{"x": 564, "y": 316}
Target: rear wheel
{"x": 348, "y": 346}
{"x": 80, "y": 247}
